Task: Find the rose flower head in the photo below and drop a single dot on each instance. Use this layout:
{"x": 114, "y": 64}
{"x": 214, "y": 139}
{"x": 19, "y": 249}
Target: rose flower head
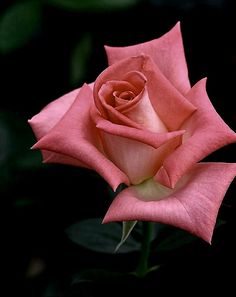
{"x": 142, "y": 124}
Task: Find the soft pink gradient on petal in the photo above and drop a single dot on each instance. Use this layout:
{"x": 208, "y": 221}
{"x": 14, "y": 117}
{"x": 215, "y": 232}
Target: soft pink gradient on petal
{"x": 166, "y": 51}
{"x": 193, "y": 205}
{"x": 172, "y": 107}
{"x": 142, "y": 135}
{"x": 47, "y": 118}
{"x": 144, "y": 114}
{"x": 107, "y": 102}
{"x": 137, "y": 160}
{"x": 205, "y": 133}
{"x": 137, "y": 152}
{"x": 134, "y": 111}
{"x": 51, "y": 157}
{"x": 51, "y": 114}
{"x": 76, "y": 136}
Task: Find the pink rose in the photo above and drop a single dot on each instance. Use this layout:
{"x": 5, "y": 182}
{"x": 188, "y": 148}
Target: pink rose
{"x": 142, "y": 124}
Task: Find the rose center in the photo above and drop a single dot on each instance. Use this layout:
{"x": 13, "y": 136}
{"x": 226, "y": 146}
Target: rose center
{"x": 126, "y": 95}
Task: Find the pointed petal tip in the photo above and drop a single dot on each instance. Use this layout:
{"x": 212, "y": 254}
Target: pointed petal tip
{"x": 105, "y": 220}
{"x": 205, "y": 234}
{"x": 163, "y": 178}
{"x": 206, "y": 237}
{"x": 201, "y": 83}
{"x": 111, "y": 217}
{"x": 116, "y": 184}
{"x": 176, "y": 28}
{"x": 203, "y": 80}
{"x": 177, "y": 25}
{"x": 40, "y": 144}
{"x": 34, "y": 147}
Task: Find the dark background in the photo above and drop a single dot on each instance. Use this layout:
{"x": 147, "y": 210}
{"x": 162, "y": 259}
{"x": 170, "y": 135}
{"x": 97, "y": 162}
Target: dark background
{"x": 64, "y": 49}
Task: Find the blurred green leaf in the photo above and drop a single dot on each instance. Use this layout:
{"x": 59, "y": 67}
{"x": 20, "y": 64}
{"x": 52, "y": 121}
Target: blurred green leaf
{"x": 18, "y": 24}
{"x": 22, "y": 202}
{"x": 178, "y": 238}
{"x": 99, "y": 237}
{"x": 93, "y": 5}
{"x": 96, "y": 275}
{"x": 175, "y": 240}
{"x": 54, "y": 289}
{"x": 79, "y": 59}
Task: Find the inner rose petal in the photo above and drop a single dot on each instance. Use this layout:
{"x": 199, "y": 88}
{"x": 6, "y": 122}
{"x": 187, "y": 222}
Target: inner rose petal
{"x": 136, "y": 78}
{"x": 119, "y": 92}
{"x": 137, "y": 160}
{"x": 122, "y": 98}
{"x": 110, "y": 88}
{"x": 142, "y": 112}
{"x": 129, "y": 97}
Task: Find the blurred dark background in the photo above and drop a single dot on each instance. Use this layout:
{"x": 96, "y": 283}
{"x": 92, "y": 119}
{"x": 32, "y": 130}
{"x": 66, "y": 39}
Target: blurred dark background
{"x": 48, "y": 48}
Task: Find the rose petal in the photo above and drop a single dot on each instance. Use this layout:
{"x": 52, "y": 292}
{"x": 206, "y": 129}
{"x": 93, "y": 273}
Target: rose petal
{"x": 137, "y": 160}
{"x": 76, "y": 136}
{"x": 138, "y": 80}
{"x": 206, "y": 132}
{"x": 49, "y": 116}
{"x": 139, "y": 110}
{"x": 147, "y": 137}
{"x": 144, "y": 114}
{"x": 166, "y": 51}
{"x": 172, "y": 108}
{"x": 193, "y": 205}
{"x": 105, "y": 94}
{"x": 51, "y": 157}
{"x": 130, "y": 149}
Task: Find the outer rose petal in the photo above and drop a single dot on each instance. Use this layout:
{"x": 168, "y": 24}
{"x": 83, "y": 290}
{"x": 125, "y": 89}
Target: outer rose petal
{"x": 49, "y": 116}
{"x": 51, "y": 157}
{"x": 76, "y": 137}
{"x": 166, "y": 51}
{"x": 205, "y": 133}
{"x": 44, "y": 121}
{"x": 193, "y": 205}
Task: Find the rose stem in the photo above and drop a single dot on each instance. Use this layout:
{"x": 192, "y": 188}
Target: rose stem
{"x": 142, "y": 268}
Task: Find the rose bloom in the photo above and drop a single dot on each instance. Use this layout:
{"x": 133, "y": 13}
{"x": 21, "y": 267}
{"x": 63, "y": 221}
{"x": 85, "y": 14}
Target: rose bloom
{"x": 142, "y": 124}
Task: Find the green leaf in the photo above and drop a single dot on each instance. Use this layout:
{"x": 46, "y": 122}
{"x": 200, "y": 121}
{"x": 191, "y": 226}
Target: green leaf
{"x": 54, "y": 289}
{"x": 79, "y": 59}
{"x": 127, "y": 227}
{"x": 178, "y": 238}
{"x": 18, "y": 24}
{"x": 22, "y": 202}
{"x": 175, "y": 240}
{"x": 93, "y": 5}
{"x": 99, "y": 237}
{"x": 97, "y": 275}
